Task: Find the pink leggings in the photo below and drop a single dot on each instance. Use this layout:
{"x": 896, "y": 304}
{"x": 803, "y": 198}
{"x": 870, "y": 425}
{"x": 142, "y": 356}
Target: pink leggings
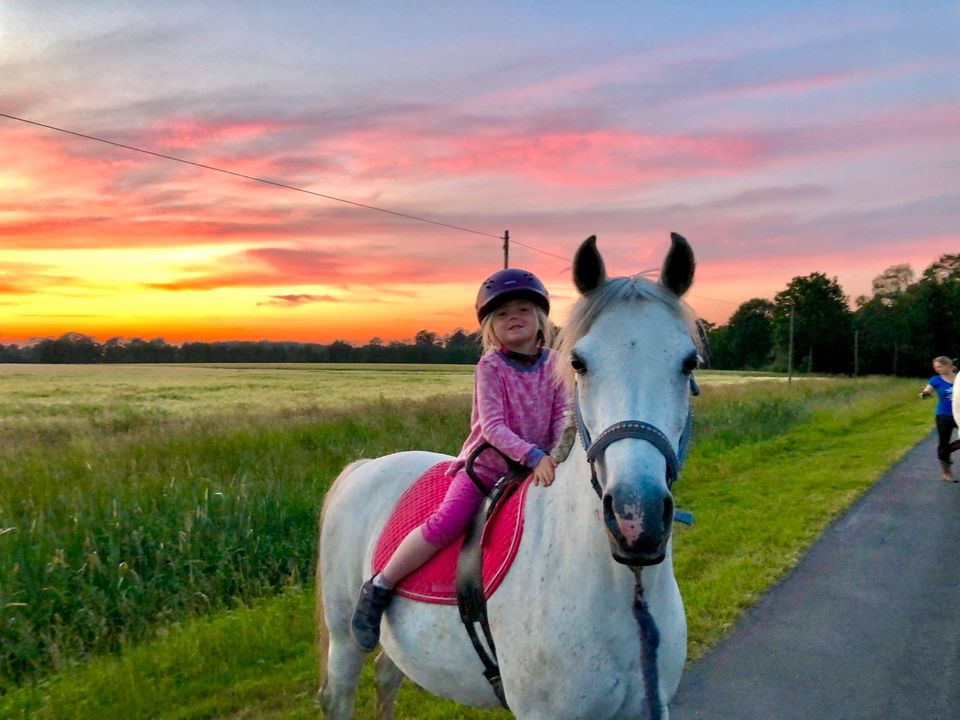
{"x": 452, "y": 515}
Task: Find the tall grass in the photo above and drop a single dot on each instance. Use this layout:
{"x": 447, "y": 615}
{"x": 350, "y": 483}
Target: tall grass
{"x": 109, "y": 532}
{"x": 105, "y": 539}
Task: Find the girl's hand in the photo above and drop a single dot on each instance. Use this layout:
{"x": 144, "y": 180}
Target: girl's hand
{"x": 543, "y": 473}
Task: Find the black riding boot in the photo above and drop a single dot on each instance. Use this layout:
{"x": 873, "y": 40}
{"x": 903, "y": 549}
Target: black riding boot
{"x": 366, "y": 618}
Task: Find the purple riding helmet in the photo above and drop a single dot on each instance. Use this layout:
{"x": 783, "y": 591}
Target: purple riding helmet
{"x": 508, "y": 285}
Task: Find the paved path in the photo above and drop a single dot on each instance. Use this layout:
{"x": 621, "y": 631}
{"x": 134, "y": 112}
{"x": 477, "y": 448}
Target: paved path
{"x": 866, "y": 627}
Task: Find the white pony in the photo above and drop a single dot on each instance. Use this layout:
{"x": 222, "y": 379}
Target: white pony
{"x": 570, "y": 640}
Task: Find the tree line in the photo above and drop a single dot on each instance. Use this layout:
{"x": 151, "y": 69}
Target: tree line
{"x": 898, "y": 330}
{"x": 426, "y": 347}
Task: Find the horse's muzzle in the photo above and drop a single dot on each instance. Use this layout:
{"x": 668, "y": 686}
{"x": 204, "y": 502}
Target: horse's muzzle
{"x": 638, "y": 529}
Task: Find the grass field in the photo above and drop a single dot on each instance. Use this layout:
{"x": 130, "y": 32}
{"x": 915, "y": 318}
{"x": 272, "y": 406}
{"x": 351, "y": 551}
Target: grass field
{"x": 157, "y": 524}
{"x": 63, "y": 401}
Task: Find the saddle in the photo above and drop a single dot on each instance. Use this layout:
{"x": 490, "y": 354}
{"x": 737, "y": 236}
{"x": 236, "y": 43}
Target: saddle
{"x": 435, "y": 581}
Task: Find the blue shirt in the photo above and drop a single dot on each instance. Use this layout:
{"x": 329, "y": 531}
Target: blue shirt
{"x": 944, "y": 395}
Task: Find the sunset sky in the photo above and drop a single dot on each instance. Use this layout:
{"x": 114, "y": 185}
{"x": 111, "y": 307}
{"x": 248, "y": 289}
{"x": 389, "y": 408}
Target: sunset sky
{"x": 780, "y": 138}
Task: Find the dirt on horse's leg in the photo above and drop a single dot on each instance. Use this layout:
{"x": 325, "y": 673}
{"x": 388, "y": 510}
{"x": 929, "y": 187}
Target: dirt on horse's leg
{"x": 388, "y": 679}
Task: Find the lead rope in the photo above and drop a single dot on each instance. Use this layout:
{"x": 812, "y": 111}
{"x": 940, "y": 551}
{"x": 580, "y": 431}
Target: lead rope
{"x": 649, "y": 643}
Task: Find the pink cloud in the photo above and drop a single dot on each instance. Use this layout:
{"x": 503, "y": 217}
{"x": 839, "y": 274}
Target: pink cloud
{"x": 195, "y": 132}
{"x": 274, "y": 267}
{"x": 553, "y": 157}
{"x": 796, "y": 85}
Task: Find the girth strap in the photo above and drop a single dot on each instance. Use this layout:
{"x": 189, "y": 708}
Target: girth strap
{"x": 470, "y": 597}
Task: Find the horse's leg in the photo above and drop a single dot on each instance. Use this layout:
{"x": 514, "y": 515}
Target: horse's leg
{"x": 344, "y": 663}
{"x": 388, "y": 679}
{"x": 339, "y": 657}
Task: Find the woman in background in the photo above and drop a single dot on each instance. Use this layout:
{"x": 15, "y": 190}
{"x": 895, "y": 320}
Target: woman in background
{"x": 942, "y": 384}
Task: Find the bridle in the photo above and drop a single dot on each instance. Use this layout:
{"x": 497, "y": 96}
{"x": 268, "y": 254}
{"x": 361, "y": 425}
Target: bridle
{"x": 638, "y": 429}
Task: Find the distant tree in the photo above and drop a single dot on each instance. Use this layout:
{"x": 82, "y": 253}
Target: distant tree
{"x": 945, "y": 268}
{"x": 426, "y": 338}
{"x": 461, "y": 347}
{"x": 71, "y": 347}
{"x": 823, "y": 331}
{"x": 749, "y": 338}
{"x": 718, "y": 356}
{"x": 929, "y": 317}
{"x": 195, "y": 352}
{"x": 373, "y": 352}
{"x": 341, "y": 351}
{"x": 426, "y": 347}
{"x": 11, "y": 354}
{"x": 113, "y": 350}
{"x": 161, "y": 351}
{"x": 892, "y": 282}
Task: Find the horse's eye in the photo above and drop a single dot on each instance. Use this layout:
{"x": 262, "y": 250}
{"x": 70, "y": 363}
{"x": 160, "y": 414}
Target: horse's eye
{"x": 577, "y": 363}
{"x": 690, "y": 363}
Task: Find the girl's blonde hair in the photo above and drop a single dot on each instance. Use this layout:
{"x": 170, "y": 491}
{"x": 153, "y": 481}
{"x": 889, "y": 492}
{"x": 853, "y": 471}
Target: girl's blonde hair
{"x": 492, "y": 342}
{"x": 944, "y": 360}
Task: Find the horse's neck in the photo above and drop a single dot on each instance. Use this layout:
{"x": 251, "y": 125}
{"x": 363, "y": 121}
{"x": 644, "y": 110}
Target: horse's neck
{"x": 573, "y": 520}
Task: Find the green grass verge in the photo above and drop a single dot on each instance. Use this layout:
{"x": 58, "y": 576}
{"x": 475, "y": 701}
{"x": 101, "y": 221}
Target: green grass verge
{"x": 251, "y": 662}
{"x": 769, "y": 469}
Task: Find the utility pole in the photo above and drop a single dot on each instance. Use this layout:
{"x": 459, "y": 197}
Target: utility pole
{"x": 790, "y": 351}
{"x": 506, "y": 249}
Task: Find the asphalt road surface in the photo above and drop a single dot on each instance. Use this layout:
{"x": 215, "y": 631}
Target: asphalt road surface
{"x": 866, "y": 627}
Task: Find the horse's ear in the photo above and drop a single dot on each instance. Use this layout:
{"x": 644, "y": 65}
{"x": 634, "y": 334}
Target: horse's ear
{"x": 588, "y": 270}
{"x": 678, "y": 266}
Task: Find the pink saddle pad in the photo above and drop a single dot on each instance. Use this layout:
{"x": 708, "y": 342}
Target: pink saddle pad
{"x": 435, "y": 582}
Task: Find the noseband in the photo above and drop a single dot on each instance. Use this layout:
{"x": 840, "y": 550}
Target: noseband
{"x": 634, "y": 429}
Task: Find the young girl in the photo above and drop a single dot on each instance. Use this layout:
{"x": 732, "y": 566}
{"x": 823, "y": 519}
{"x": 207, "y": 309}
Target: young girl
{"x": 518, "y": 407}
{"x": 942, "y": 382}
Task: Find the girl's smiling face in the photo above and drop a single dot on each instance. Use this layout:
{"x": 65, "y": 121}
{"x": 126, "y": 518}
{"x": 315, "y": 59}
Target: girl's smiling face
{"x": 516, "y": 326}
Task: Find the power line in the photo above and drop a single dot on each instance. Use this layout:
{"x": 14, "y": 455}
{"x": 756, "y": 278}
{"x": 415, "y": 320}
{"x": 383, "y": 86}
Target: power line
{"x": 285, "y": 186}
{"x": 542, "y": 252}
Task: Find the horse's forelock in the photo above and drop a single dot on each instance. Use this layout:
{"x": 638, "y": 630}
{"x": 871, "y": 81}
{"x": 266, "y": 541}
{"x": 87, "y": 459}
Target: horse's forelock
{"x": 589, "y": 307}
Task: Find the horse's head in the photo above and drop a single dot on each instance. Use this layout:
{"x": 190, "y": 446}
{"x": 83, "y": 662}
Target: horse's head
{"x": 631, "y": 347}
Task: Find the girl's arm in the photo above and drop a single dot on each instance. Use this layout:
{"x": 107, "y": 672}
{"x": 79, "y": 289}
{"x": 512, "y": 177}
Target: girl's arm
{"x": 925, "y": 393}
{"x": 491, "y": 409}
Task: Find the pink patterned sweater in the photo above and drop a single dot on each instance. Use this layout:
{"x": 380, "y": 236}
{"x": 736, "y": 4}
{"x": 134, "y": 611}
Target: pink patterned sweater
{"x": 518, "y": 408}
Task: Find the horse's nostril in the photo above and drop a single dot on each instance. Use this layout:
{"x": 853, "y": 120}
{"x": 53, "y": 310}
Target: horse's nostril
{"x": 667, "y": 511}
